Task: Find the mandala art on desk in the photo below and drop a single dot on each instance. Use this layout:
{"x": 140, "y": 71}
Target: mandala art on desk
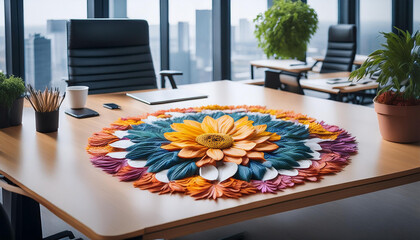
{"x": 220, "y": 151}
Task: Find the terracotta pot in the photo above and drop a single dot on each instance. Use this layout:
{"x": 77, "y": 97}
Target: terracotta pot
{"x": 399, "y": 123}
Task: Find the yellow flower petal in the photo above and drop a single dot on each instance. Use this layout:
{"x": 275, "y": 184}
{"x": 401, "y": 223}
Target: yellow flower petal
{"x": 204, "y": 161}
{"x": 215, "y": 153}
{"x": 245, "y": 160}
{"x": 234, "y": 152}
{"x": 209, "y": 125}
{"x": 255, "y": 155}
{"x": 178, "y": 136}
{"x": 193, "y": 123}
{"x": 183, "y": 144}
{"x": 170, "y": 147}
{"x": 260, "y": 139}
{"x": 225, "y": 124}
{"x": 274, "y": 137}
{"x": 237, "y": 160}
{"x": 260, "y": 128}
{"x": 192, "y": 152}
{"x": 245, "y": 145}
{"x": 242, "y": 122}
{"x": 266, "y": 146}
{"x": 243, "y": 133}
{"x": 187, "y": 129}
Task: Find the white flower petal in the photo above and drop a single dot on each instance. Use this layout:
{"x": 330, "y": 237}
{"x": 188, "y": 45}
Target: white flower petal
{"x": 304, "y": 164}
{"x": 315, "y": 155}
{"x": 120, "y": 134}
{"x": 209, "y": 172}
{"x": 313, "y": 145}
{"x": 291, "y": 172}
{"x": 150, "y": 119}
{"x": 270, "y": 174}
{"x": 117, "y": 155}
{"x": 176, "y": 114}
{"x": 162, "y": 176}
{"x": 227, "y": 170}
{"x": 122, "y": 144}
{"x": 316, "y": 140}
{"x": 137, "y": 163}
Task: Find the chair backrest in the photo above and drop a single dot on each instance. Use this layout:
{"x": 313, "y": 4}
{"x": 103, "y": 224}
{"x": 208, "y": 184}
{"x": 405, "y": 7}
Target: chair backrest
{"x": 285, "y": 81}
{"x": 5, "y": 227}
{"x": 341, "y": 49}
{"x": 110, "y": 55}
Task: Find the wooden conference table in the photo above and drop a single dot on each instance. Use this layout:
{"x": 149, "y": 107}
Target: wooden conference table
{"x": 358, "y": 59}
{"x": 55, "y": 170}
{"x": 284, "y": 65}
{"x": 318, "y": 82}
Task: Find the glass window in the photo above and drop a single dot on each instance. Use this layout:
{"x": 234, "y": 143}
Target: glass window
{"x": 2, "y": 39}
{"x": 327, "y": 11}
{"x": 142, "y": 9}
{"x": 46, "y": 39}
{"x": 416, "y": 16}
{"x": 191, "y": 40}
{"x": 375, "y": 17}
{"x": 244, "y": 46}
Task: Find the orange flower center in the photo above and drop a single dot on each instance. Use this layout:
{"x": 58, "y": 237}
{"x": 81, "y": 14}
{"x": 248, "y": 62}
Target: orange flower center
{"x": 215, "y": 140}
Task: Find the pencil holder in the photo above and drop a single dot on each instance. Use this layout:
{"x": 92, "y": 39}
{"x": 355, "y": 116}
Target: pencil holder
{"x": 46, "y": 121}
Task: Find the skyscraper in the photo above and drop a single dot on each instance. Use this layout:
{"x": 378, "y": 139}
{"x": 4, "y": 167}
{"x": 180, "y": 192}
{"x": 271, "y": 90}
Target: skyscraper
{"x": 57, "y": 32}
{"x": 245, "y": 30}
{"x": 38, "y": 61}
{"x": 180, "y": 60}
{"x": 203, "y": 38}
{"x": 118, "y": 8}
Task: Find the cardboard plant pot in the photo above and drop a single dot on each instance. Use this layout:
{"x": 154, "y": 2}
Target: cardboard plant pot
{"x": 399, "y": 124}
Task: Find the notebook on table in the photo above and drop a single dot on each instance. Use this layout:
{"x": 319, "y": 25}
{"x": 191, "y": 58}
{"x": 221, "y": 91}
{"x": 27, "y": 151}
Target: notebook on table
{"x": 166, "y": 96}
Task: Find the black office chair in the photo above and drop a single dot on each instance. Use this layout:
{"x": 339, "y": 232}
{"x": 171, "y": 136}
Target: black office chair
{"x": 5, "y": 227}
{"x": 285, "y": 81}
{"x": 111, "y": 55}
{"x": 20, "y": 216}
{"x": 341, "y": 49}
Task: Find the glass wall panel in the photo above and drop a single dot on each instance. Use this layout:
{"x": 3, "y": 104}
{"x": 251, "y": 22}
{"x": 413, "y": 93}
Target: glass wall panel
{"x": 46, "y": 39}
{"x": 416, "y": 15}
{"x": 2, "y": 39}
{"x": 142, "y": 9}
{"x": 375, "y": 17}
{"x": 244, "y": 46}
{"x": 191, "y": 40}
{"x": 327, "y": 11}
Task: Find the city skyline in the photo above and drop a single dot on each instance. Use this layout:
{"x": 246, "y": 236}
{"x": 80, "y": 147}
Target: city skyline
{"x": 192, "y": 49}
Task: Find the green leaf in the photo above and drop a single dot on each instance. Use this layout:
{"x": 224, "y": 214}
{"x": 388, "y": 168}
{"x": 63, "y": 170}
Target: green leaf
{"x": 398, "y": 63}
{"x": 285, "y": 29}
{"x": 10, "y": 88}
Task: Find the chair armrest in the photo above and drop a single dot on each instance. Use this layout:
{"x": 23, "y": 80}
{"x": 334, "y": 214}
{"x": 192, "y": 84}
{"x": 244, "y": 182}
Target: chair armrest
{"x": 4, "y": 183}
{"x": 170, "y": 74}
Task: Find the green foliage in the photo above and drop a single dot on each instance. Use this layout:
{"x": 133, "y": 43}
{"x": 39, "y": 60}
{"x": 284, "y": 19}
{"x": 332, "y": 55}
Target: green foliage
{"x": 285, "y": 29}
{"x": 398, "y": 63}
{"x": 10, "y": 88}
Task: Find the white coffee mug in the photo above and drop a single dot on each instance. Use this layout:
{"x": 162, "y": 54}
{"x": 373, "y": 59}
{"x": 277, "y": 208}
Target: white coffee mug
{"x": 76, "y": 96}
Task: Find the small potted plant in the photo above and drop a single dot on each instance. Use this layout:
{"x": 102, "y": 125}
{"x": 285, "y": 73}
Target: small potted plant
{"x": 11, "y": 100}
{"x": 284, "y": 30}
{"x": 398, "y": 100}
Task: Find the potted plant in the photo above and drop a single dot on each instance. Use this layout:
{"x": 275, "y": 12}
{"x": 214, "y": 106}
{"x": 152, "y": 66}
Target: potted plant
{"x": 11, "y": 100}
{"x": 397, "y": 102}
{"x": 284, "y": 30}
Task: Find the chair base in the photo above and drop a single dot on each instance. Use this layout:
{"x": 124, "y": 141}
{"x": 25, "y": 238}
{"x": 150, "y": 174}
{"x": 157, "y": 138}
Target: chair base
{"x": 25, "y": 217}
